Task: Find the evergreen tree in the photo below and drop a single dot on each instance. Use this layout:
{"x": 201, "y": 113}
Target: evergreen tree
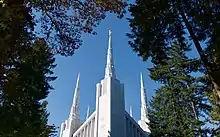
{"x": 24, "y": 87}
{"x": 180, "y": 102}
{"x": 214, "y": 114}
{"x": 157, "y": 23}
{"x": 25, "y": 67}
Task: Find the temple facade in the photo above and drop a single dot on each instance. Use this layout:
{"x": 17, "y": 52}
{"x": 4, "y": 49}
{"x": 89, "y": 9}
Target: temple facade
{"x": 110, "y": 119}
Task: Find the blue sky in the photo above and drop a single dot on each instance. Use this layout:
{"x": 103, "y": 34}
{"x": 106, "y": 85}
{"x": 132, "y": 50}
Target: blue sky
{"x": 90, "y": 61}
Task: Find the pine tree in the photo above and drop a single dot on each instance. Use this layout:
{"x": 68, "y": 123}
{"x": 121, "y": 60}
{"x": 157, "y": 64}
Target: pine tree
{"x": 25, "y": 86}
{"x": 157, "y": 23}
{"x": 25, "y": 68}
{"x": 178, "y": 105}
{"x": 214, "y": 120}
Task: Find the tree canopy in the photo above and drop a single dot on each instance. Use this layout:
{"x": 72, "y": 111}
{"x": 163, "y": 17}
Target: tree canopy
{"x": 180, "y": 104}
{"x": 157, "y": 23}
{"x": 60, "y": 22}
{"x": 31, "y": 32}
{"x": 24, "y": 86}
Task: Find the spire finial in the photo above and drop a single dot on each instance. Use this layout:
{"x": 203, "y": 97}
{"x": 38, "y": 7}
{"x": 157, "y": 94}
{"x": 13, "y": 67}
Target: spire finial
{"x": 142, "y": 81}
{"x": 131, "y": 113}
{"x": 76, "y": 93}
{"x": 87, "y": 114}
{"x": 144, "y": 115}
{"x": 74, "y": 113}
{"x": 109, "y": 70}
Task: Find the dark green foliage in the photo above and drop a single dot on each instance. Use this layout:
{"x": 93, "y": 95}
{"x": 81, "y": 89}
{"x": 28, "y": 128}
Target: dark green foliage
{"x": 25, "y": 68}
{"x": 60, "y": 22}
{"x": 181, "y": 102}
{"x": 23, "y": 88}
{"x": 214, "y": 114}
{"x": 14, "y": 24}
{"x": 157, "y": 23}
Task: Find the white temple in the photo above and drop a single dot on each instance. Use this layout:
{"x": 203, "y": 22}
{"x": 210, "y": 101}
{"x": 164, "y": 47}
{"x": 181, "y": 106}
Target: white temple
{"x": 110, "y": 118}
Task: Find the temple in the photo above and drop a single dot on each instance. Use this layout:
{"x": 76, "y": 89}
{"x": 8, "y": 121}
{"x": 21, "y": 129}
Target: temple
{"x": 110, "y": 119}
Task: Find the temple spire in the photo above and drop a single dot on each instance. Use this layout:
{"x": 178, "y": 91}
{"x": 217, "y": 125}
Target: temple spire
{"x": 144, "y": 115}
{"x": 88, "y": 111}
{"x": 131, "y": 113}
{"x": 74, "y": 113}
{"x": 109, "y": 70}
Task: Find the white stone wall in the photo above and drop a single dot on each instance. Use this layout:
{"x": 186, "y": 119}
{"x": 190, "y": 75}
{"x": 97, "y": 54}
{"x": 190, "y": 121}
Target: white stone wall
{"x": 111, "y": 118}
{"x": 117, "y": 109}
{"x": 87, "y": 128}
{"x": 103, "y": 125}
{"x": 132, "y": 128}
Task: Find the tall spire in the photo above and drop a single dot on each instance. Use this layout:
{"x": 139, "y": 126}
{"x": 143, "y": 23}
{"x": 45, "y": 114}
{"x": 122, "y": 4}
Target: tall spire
{"x": 74, "y": 113}
{"x": 144, "y": 115}
{"x": 110, "y": 70}
{"x": 131, "y": 113}
{"x": 87, "y": 114}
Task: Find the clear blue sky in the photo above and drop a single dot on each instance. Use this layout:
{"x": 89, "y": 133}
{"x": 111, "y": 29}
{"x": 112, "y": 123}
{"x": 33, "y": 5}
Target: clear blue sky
{"x": 90, "y": 61}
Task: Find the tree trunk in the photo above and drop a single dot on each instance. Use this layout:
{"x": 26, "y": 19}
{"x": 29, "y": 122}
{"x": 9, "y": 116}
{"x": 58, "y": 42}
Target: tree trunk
{"x": 214, "y": 76}
{"x": 196, "y": 117}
